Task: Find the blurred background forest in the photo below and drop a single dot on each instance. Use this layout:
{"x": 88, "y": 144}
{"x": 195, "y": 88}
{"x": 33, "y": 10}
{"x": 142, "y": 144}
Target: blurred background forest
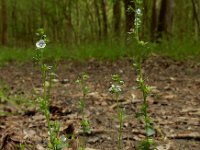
{"x": 76, "y": 22}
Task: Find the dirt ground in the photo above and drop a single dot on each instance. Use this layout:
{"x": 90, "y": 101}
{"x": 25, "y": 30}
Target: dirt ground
{"x": 174, "y": 104}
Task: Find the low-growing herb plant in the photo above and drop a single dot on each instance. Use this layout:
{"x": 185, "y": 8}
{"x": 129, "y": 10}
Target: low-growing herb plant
{"x": 116, "y": 90}
{"x": 54, "y": 143}
{"x": 85, "y": 124}
{"x": 148, "y": 143}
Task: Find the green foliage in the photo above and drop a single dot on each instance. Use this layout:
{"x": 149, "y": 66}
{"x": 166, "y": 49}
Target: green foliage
{"x": 179, "y": 49}
{"x": 64, "y": 24}
{"x": 85, "y": 123}
{"x": 116, "y": 86}
{"x": 116, "y": 90}
{"x": 186, "y": 49}
{"x": 18, "y": 100}
{"x": 147, "y": 144}
{"x": 4, "y": 92}
{"x": 22, "y": 146}
{"x": 55, "y": 143}
{"x": 145, "y": 89}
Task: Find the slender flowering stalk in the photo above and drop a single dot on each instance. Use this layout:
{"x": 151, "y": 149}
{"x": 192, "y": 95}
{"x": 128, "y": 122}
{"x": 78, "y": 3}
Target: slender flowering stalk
{"x": 148, "y": 143}
{"x": 85, "y": 124}
{"x": 55, "y": 143}
{"x": 116, "y": 90}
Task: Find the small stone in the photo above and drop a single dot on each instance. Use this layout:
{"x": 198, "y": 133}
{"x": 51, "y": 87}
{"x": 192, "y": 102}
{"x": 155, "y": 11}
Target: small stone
{"x": 93, "y": 140}
{"x": 55, "y": 80}
{"x": 106, "y": 137}
{"x": 126, "y": 125}
{"x": 40, "y": 147}
{"x": 104, "y": 103}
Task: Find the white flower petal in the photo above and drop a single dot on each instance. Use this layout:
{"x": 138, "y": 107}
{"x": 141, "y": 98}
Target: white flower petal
{"x": 40, "y": 44}
{"x": 138, "y": 11}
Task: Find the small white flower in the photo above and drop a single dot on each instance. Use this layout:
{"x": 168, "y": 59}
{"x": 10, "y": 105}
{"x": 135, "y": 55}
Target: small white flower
{"x": 40, "y": 44}
{"x": 138, "y": 11}
{"x": 63, "y": 138}
{"x": 115, "y": 89}
{"x": 111, "y": 89}
{"x": 137, "y": 22}
{"x": 118, "y": 88}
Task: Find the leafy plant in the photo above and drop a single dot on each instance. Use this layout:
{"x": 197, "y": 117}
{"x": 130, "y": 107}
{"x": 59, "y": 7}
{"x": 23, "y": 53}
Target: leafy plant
{"x": 148, "y": 143}
{"x": 116, "y": 90}
{"x": 85, "y": 124}
{"x": 19, "y": 100}
{"x": 55, "y": 143}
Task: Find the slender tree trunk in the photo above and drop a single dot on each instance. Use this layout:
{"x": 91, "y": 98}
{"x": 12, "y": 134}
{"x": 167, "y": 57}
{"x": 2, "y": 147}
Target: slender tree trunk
{"x": 129, "y": 17}
{"x": 196, "y": 12}
{"x": 78, "y": 29}
{"x": 70, "y": 33}
{"x": 42, "y": 13}
{"x": 144, "y": 19}
{"x": 14, "y": 21}
{"x": 165, "y": 18}
{"x": 55, "y": 21}
{"x": 154, "y": 20}
{"x": 105, "y": 20}
{"x": 91, "y": 21}
{"x": 4, "y": 23}
{"x": 117, "y": 18}
{"x": 98, "y": 19}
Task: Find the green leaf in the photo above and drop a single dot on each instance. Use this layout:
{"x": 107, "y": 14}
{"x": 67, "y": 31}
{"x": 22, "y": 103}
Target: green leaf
{"x": 150, "y": 131}
{"x": 86, "y": 126}
{"x": 139, "y": 114}
{"x": 115, "y": 77}
{"x": 147, "y": 144}
{"x": 85, "y": 76}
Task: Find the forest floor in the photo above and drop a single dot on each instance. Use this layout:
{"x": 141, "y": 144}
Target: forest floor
{"x": 174, "y": 104}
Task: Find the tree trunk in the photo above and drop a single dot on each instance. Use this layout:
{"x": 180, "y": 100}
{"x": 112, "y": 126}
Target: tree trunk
{"x": 98, "y": 19}
{"x": 4, "y": 23}
{"x": 117, "y": 17}
{"x": 42, "y": 13}
{"x": 70, "y": 34}
{"x": 154, "y": 20}
{"x": 14, "y": 21}
{"x": 196, "y": 11}
{"x": 105, "y": 20}
{"x": 89, "y": 15}
{"x": 145, "y": 19}
{"x": 129, "y": 16}
{"x": 78, "y": 24}
{"x": 165, "y": 18}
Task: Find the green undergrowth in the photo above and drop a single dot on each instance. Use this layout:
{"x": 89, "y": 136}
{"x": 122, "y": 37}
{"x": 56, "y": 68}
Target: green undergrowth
{"x": 18, "y": 102}
{"x": 175, "y": 49}
{"x": 180, "y": 50}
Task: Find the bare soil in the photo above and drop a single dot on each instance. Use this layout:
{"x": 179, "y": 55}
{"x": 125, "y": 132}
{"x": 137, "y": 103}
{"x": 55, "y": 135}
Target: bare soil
{"x": 174, "y": 104}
